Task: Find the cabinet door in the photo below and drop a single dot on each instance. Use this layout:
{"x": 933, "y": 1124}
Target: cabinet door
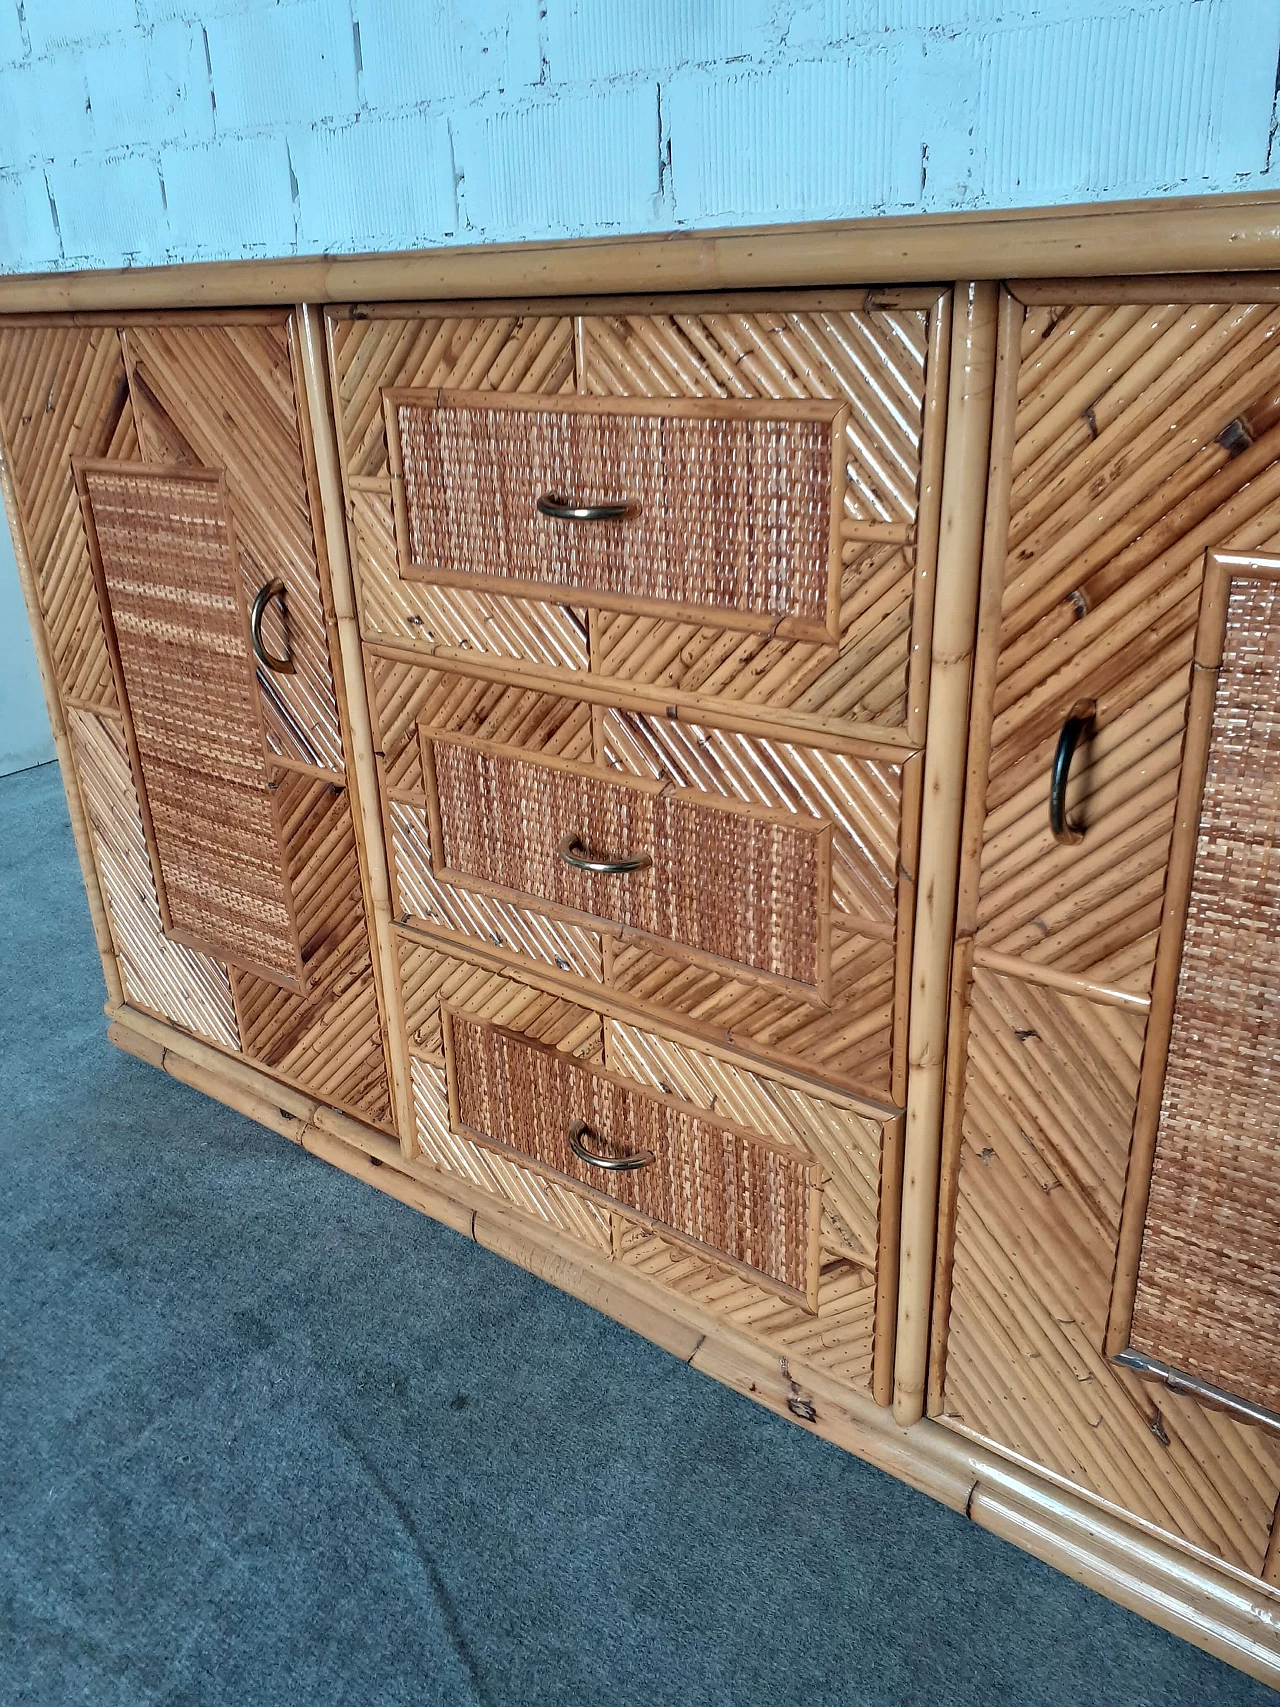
{"x": 1130, "y": 439}
{"x": 214, "y": 784}
{"x": 1198, "y": 1280}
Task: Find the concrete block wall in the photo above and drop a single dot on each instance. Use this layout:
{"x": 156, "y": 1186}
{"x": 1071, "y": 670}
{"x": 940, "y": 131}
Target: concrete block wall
{"x": 137, "y": 132}
{"x": 145, "y": 131}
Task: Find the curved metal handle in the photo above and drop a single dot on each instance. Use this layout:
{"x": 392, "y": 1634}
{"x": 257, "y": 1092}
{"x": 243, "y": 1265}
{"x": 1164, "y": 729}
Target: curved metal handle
{"x": 569, "y": 510}
{"x": 609, "y": 1164}
{"x": 1078, "y": 720}
{"x": 273, "y": 590}
{"x": 573, "y": 853}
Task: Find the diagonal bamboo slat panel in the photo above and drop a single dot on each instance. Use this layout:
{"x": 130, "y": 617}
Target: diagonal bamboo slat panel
{"x": 329, "y": 1039}
{"x": 846, "y": 1142}
{"x": 753, "y": 1201}
{"x": 1144, "y": 435}
{"x": 874, "y": 361}
{"x": 64, "y": 394}
{"x": 558, "y": 1205}
{"x": 881, "y": 363}
{"x": 1050, "y": 1090}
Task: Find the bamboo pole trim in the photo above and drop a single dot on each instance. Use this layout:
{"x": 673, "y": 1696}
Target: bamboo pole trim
{"x": 1176, "y": 234}
{"x": 969, "y": 415}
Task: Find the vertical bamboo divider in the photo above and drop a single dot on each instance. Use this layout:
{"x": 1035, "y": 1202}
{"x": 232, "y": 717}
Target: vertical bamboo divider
{"x": 973, "y": 343}
{"x": 986, "y": 656}
{"x": 62, "y": 744}
{"x": 362, "y": 777}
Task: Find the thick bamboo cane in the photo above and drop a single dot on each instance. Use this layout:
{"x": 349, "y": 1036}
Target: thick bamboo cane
{"x": 61, "y": 741}
{"x": 362, "y": 775}
{"x": 973, "y": 346}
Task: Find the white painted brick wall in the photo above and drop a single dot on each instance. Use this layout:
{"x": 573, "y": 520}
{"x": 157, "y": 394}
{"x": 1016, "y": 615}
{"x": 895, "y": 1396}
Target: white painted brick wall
{"x": 135, "y": 131}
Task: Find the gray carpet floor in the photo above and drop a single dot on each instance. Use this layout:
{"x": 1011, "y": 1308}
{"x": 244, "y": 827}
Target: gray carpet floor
{"x": 266, "y": 1436}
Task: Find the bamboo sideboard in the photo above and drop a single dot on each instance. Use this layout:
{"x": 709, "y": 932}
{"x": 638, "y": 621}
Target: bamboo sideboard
{"x": 756, "y": 802}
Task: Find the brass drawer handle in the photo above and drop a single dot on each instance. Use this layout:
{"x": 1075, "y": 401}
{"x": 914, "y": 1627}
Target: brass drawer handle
{"x": 273, "y": 590}
{"x": 1078, "y": 720}
{"x": 563, "y": 509}
{"x": 573, "y": 853}
{"x": 609, "y": 1164}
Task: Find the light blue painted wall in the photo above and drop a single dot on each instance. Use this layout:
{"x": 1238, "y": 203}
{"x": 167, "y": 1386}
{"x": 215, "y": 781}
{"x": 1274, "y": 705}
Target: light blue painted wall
{"x": 142, "y": 131}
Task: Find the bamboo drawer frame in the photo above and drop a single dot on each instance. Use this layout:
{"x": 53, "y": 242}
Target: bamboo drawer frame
{"x": 1054, "y": 259}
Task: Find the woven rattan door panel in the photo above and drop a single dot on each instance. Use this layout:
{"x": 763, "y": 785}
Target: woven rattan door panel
{"x": 1130, "y": 439}
{"x": 750, "y": 1200}
{"x": 1207, "y": 1301}
{"x": 727, "y": 508}
{"x": 739, "y": 884}
{"x": 173, "y": 608}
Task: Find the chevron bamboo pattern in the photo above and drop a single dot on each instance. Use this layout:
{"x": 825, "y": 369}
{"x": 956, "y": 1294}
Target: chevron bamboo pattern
{"x": 218, "y": 396}
{"x": 1143, "y": 437}
{"x": 850, "y": 1040}
{"x": 166, "y": 978}
{"x": 846, "y": 1142}
{"x": 873, "y": 359}
{"x": 64, "y": 394}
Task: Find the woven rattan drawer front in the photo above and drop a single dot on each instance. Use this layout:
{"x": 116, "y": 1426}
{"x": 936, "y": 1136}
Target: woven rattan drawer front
{"x": 745, "y": 885}
{"x": 172, "y": 604}
{"x": 723, "y": 508}
{"x": 752, "y": 1200}
{"x": 1207, "y": 1298}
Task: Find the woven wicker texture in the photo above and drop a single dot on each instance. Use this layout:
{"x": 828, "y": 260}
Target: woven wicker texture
{"x": 163, "y": 977}
{"x": 721, "y": 1187}
{"x": 740, "y": 887}
{"x": 63, "y": 393}
{"x": 1144, "y": 436}
{"x": 1208, "y": 1298}
{"x": 873, "y": 359}
{"x": 731, "y": 511}
{"x": 225, "y": 397}
{"x": 172, "y": 582}
{"x": 329, "y": 1039}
